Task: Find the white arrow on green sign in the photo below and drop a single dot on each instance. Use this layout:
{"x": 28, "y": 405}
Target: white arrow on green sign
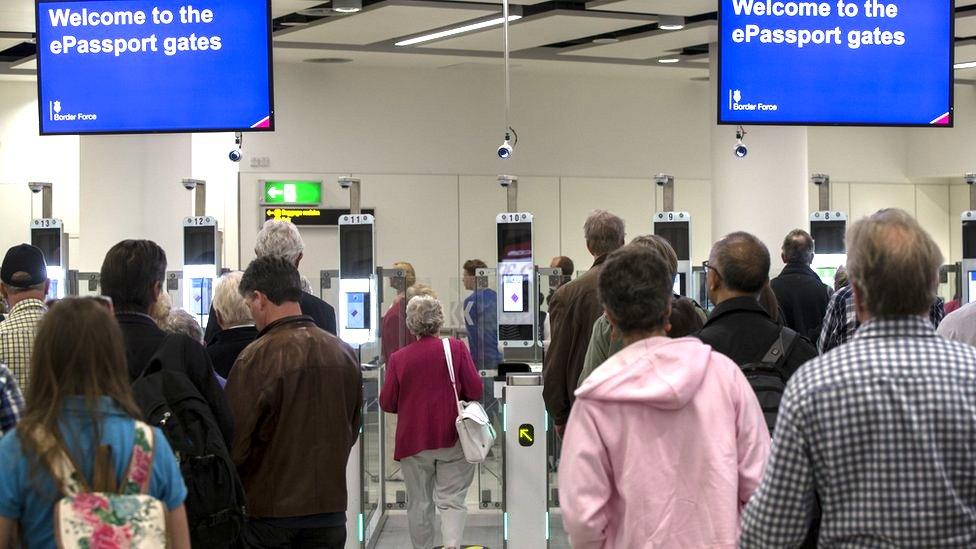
{"x": 292, "y": 192}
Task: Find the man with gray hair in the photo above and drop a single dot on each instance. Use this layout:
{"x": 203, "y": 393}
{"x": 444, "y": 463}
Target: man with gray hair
{"x": 572, "y": 311}
{"x": 801, "y": 294}
{"x": 881, "y": 428}
{"x": 282, "y": 239}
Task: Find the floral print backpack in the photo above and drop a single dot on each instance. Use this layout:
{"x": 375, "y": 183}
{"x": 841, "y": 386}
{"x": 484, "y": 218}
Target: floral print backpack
{"x": 85, "y": 519}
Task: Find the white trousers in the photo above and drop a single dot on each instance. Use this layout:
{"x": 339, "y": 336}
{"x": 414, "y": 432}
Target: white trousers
{"x": 441, "y": 478}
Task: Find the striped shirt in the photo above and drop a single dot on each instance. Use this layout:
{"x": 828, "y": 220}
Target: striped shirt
{"x": 840, "y": 323}
{"x": 17, "y": 338}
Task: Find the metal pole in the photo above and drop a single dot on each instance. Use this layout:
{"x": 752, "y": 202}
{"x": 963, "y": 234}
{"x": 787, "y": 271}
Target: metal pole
{"x": 825, "y": 195}
{"x": 972, "y": 197}
{"x": 47, "y": 201}
{"x": 669, "y": 195}
{"x": 354, "y": 185}
{"x": 510, "y": 182}
{"x": 200, "y": 199}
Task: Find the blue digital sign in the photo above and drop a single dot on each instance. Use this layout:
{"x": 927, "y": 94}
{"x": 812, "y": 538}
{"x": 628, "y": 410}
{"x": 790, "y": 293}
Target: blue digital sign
{"x": 137, "y": 66}
{"x": 874, "y": 62}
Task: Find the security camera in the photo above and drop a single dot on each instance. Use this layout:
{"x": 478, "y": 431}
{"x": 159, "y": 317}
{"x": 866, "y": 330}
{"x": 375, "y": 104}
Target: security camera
{"x": 347, "y": 182}
{"x": 969, "y": 177}
{"x": 506, "y": 180}
{"x": 190, "y": 184}
{"x": 819, "y": 178}
{"x": 740, "y": 149}
{"x": 36, "y": 186}
{"x": 235, "y": 154}
{"x": 505, "y": 150}
{"x": 663, "y": 179}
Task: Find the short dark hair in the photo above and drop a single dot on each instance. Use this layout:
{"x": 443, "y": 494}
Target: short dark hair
{"x": 635, "y": 287}
{"x": 130, "y": 272}
{"x": 798, "y": 247}
{"x": 471, "y": 266}
{"x": 565, "y": 265}
{"x": 743, "y": 262}
{"x": 275, "y": 277}
{"x": 685, "y": 319}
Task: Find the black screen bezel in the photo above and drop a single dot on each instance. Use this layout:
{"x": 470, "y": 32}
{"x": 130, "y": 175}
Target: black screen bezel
{"x": 349, "y": 265}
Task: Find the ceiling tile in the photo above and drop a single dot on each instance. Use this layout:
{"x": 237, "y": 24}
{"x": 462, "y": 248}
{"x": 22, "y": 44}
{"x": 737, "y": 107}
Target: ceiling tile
{"x": 652, "y": 44}
{"x": 547, "y": 28}
{"x": 685, "y": 8}
{"x": 384, "y": 22}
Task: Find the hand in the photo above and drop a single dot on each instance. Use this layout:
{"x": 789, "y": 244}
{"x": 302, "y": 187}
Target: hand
{"x": 560, "y": 430}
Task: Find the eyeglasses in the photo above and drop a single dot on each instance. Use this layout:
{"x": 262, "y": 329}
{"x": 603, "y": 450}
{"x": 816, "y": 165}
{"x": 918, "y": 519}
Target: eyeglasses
{"x": 706, "y": 267}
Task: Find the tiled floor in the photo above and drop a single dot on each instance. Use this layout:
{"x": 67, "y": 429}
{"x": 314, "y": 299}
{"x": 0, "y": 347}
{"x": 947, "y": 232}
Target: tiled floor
{"x": 480, "y": 531}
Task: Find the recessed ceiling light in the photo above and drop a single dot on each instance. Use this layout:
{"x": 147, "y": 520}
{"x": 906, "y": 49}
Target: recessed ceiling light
{"x": 670, "y": 22}
{"x": 668, "y": 60}
{"x": 607, "y": 40}
{"x": 457, "y": 30}
{"x": 347, "y": 6}
{"x": 329, "y": 60}
{"x": 293, "y": 23}
{"x": 316, "y": 12}
{"x": 966, "y": 65}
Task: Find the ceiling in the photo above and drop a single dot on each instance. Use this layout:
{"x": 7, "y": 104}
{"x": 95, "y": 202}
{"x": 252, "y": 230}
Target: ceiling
{"x": 579, "y": 36}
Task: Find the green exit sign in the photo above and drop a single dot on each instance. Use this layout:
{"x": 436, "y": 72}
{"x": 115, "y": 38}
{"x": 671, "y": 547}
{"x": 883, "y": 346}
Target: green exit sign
{"x": 292, "y": 192}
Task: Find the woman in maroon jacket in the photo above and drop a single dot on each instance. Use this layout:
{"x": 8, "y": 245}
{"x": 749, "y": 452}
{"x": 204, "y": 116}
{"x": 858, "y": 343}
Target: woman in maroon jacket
{"x": 418, "y": 390}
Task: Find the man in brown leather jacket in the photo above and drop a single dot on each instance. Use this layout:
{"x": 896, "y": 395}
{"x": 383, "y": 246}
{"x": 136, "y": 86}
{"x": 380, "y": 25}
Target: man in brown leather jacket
{"x": 296, "y": 397}
{"x": 572, "y": 311}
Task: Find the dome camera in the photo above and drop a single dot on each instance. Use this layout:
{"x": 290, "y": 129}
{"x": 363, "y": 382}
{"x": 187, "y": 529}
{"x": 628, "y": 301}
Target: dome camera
{"x": 235, "y": 155}
{"x": 970, "y": 179}
{"x": 190, "y": 184}
{"x": 35, "y": 186}
{"x": 506, "y": 180}
{"x": 663, "y": 179}
{"x": 347, "y": 182}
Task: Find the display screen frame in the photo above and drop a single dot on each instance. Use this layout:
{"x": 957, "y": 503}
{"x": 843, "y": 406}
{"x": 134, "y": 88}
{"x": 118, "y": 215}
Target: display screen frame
{"x": 969, "y": 238}
{"x": 40, "y": 238}
{"x": 40, "y": 74}
{"x": 207, "y": 234}
{"x": 363, "y": 301}
{"x": 346, "y": 267}
{"x": 520, "y": 280}
{"x": 508, "y": 247}
{"x": 720, "y": 95}
{"x": 667, "y": 229}
{"x": 818, "y": 228}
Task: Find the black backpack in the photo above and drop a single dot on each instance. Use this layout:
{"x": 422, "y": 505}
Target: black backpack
{"x": 767, "y": 378}
{"x": 215, "y": 502}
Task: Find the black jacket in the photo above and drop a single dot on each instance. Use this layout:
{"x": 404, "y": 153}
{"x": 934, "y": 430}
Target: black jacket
{"x": 227, "y": 344}
{"x": 143, "y": 337}
{"x": 321, "y": 312}
{"x": 803, "y": 299}
{"x": 740, "y": 329}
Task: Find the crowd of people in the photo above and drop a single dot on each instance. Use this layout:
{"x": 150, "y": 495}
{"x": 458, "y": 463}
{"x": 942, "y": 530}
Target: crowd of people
{"x": 792, "y": 415}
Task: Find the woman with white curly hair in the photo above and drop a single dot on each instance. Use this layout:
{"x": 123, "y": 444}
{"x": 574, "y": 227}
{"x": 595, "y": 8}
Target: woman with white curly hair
{"x": 418, "y": 390}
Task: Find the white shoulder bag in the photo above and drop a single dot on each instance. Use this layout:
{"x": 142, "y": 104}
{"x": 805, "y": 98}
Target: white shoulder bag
{"x": 473, "y": 426}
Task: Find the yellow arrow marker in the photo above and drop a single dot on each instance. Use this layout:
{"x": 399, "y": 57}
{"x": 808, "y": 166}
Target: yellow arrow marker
{"x": 524, "y": 433}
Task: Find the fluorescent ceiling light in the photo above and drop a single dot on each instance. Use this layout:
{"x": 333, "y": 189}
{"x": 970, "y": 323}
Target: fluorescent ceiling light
{"x": 966, "y": 65}
{"x": 347, "y": 6}
{"x": 457, "y": 30}
{"x": 668, "y": 60}
{"x": 670, "y": 22}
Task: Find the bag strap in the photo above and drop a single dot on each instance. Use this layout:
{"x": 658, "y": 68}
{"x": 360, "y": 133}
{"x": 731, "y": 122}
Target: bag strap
{"x": 450, "y": 371}
{"x": 139, "y": 473}
{"x": 781, "y": 347}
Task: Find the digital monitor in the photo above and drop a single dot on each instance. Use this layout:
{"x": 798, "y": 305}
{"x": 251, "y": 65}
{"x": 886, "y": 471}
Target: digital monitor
{"x": 827, "y": 275}
{"x": 876, "y": 63}
{"x": 677, "y": 233}
{"x": 515, "y": 293}
{"x": 200, "y": 245}
{"x": 828, "y": 236}
{"x": 355, "y": 251}
{"x": 514, "y": 241}
{"x": 357, "y": 310}
{"x": 201, "y": 290}
{"x": 138, "y": 66}
{"x": 49, "y": 242}
{"x": 972, "y": 285}
{"x": 968, "y": 239}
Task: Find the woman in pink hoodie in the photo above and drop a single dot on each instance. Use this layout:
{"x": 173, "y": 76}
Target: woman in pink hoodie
{"x": 666, "y": 440}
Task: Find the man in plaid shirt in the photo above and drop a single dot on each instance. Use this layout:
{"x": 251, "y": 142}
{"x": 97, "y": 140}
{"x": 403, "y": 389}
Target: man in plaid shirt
{"x": 23, "y": 283}
{"x": 11, "y": 401}
{"x": 882, "y": 428}
{"x": 840, "y": 323}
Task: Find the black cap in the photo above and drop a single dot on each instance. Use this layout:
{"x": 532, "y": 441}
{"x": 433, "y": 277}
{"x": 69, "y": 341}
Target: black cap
{"x": 25, "y": 259}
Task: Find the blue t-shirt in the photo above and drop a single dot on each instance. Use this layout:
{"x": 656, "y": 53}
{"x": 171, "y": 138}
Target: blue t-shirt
{"x": 481, "y": 322}
{"x": 31, "y": 501}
